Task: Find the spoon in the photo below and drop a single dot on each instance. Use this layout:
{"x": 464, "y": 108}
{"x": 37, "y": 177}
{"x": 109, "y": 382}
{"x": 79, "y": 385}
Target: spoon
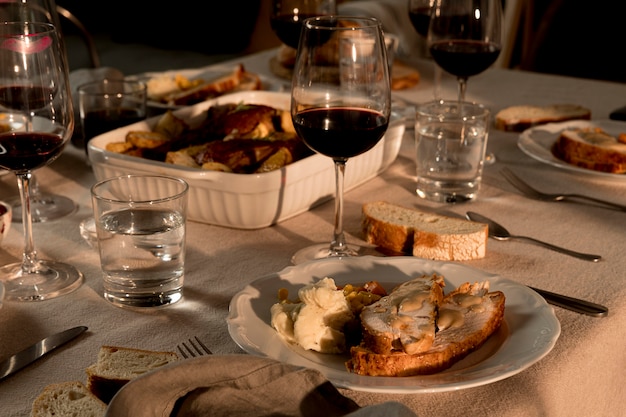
{"x": 498, "y": 232}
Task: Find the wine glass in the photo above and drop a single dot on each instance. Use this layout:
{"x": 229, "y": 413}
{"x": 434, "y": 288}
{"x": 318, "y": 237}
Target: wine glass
{"x": 286, "y": 17}
{"x": 419, "y": 15}
{"x": 464, "y": 37}
{"x": 44, "y": 205}
{"x": 35, "y": 93}
{"x": 340, "y": 102}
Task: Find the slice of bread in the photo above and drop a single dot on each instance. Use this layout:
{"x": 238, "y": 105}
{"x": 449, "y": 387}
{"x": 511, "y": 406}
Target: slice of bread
{"x": 591, "y": 148}
{"x": 405, "y": 319}
{"x": 422, "y": 234}
{"x": 467, "y": 317}
{"x": 116, "y": 366}
{"x": 67, "y": 399}
{"x": 238, "y": 80}
{"x": 520, "y": 118}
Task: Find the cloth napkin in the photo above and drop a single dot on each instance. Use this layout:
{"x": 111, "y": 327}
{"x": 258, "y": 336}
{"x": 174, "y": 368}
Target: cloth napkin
{"x": 239, "y": 385}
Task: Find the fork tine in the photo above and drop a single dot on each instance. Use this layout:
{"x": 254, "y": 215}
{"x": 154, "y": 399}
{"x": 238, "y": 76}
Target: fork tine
{"x": 203, "y": 346}
{"x": 195, "y": 348}
{"x": 518, "y": 183}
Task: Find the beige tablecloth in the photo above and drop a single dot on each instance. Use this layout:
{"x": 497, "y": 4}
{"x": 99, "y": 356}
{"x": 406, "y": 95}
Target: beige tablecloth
{"x": 584, "y": 375}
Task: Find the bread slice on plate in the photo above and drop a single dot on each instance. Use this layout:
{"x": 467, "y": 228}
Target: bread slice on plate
{"x": 423, "y": 234}
{"x": 67, "y": 399}
{"x": 522, "y": 117}
{"x": 591, "y": 148}
{"x": 238, "y": 80}
{"x": 466, "y": 318}
{"x": 116, "y": 366}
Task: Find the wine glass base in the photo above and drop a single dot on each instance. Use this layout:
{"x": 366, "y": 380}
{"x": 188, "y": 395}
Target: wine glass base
{"x": 88, "y": 232}
{"x": 50, "y": 279}
{"x": 45, "y": 207}
{"x": 322, "y": 251}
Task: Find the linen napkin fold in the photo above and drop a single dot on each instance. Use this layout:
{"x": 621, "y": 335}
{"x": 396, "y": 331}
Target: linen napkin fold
{"x": 239, "y": 385}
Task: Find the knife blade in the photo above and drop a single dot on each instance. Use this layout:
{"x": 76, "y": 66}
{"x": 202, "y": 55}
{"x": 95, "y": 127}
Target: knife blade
{"x": 36, "y": 351}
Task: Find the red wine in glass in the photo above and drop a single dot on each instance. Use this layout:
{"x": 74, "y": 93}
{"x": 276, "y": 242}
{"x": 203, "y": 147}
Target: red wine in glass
{"x": 464, "y": 58}
{"x": 420, "y": 19}
{"x": 288, "y": 26}
{"x": 96, "y": 122}
{"x": 22, "y": 97}
{"x": 347, "y": 131}
{"x": 24, "y": 151}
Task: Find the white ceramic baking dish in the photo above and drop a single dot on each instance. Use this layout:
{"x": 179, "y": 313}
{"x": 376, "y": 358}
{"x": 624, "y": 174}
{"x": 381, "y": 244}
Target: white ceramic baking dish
{"x": 249, "y": 201}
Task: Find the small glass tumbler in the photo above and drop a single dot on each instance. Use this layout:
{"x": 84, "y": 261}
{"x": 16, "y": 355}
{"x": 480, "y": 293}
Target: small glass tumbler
{"x": 451, "y": 139}
{"x": 140, "y": 223}
{"x": 108, "y": 104}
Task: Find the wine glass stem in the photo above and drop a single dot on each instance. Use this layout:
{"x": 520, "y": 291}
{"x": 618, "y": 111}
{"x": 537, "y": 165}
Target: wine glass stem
{"x": 462, "y": 87}
{"x": 29, "y": 258}
{"x": 338, "y": 244}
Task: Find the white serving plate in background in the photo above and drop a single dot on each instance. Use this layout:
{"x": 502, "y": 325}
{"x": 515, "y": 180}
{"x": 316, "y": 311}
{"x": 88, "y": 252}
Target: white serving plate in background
{"x": 208, "y": 73}
{"x": 249, "y": 201}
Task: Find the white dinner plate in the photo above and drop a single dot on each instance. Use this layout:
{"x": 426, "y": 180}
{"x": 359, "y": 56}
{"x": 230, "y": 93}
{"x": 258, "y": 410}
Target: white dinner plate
{"x": 537, "y": 142}
{"x": 528, "y": 333}
{"x": 211, "y": 72}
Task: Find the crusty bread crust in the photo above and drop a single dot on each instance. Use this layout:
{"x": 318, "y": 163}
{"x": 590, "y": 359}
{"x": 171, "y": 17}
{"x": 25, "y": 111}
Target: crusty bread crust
{"x": 116, "y": 366}
{"x": 591, "y": 149}
{"x": 425, "y": 235}
{"x": 451, "y": 344}
{"x": 520, "y": 118}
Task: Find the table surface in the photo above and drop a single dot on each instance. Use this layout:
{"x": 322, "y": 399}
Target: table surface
{"x": 582, "y": 376}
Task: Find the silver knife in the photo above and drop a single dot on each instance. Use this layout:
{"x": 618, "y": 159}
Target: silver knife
{"x": 573, "y": 304}
{"x": 36, "y": 351}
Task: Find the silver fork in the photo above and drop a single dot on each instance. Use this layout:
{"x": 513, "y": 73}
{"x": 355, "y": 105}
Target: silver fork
{"x": 192, "y": 348}
{"x": 529, "y": 191}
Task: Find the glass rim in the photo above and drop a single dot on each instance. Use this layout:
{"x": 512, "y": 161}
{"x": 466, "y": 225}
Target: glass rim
{"x": 175, "y": 195}
{"x": 85, "y": 88}
{"x": 479, "y": 109}
{"x": 44, "y": 27}
{"x": 309, "y": 22}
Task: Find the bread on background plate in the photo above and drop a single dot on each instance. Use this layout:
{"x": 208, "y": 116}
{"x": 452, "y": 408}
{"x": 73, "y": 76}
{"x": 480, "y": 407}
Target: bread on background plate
{"x": 592, "y": 148}
{"x": 521, "y": 117}
{"x": 423, "y": 234}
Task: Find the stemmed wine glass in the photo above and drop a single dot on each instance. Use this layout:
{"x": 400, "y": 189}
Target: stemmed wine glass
{"x": 35, "y": 93}
{"x": 45, "y": 206}
{"x": 286, "y": 17}
{"x": 464, "y": 37}
{"x": 419, "y": 15}
{"x": 340, "y": 102}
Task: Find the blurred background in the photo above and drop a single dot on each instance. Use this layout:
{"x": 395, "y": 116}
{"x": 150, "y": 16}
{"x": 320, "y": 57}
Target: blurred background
{"x": 574, "y": 38}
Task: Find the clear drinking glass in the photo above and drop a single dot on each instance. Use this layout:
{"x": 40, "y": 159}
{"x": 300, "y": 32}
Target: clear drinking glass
{"x": 140, "y": 223}
{"x": 35, "y": 93}
{"x": 340, "y": 103}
